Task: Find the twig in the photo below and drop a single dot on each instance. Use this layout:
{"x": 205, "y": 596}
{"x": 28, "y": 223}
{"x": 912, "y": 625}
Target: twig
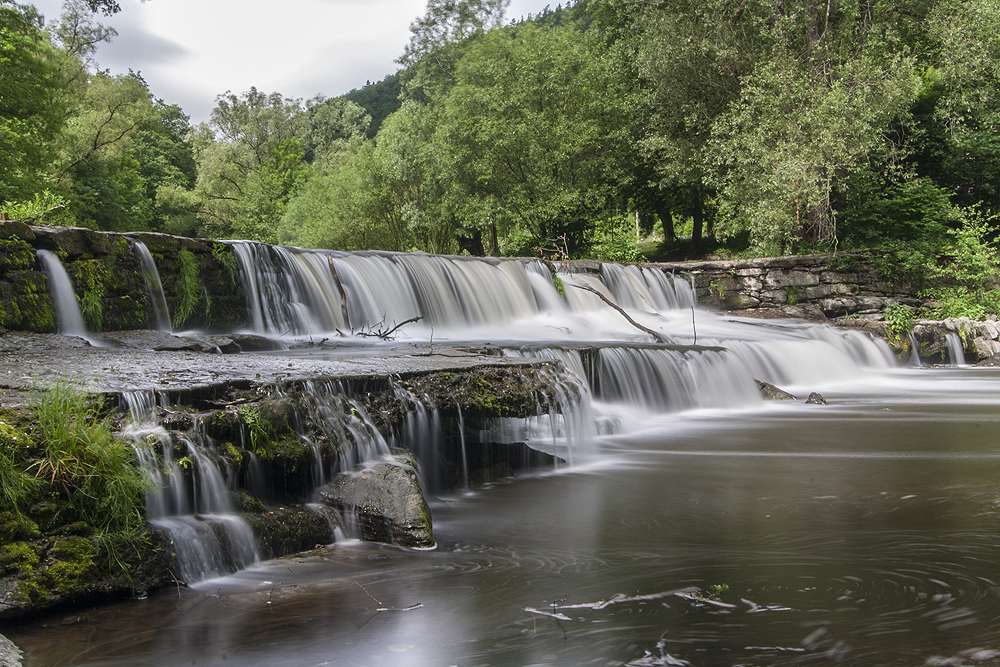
{"x": 178, "y": 582}
{"x": 384, "y": 335}
{"x": 381, "y": 608}
{"x": 655, "y": 334}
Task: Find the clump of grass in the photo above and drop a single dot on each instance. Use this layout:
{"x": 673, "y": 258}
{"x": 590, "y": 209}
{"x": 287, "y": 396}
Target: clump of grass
{"x": 17, "y": 486}
{"x": 80, "y": 459}
{"x": 188, "y": 289}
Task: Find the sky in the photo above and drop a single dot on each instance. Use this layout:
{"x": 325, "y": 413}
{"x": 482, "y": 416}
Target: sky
{"x": 190, "y": 51}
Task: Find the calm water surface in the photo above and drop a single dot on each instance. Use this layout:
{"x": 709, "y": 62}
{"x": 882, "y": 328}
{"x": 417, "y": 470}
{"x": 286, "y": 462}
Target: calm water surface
{"x": 864, "y": 532}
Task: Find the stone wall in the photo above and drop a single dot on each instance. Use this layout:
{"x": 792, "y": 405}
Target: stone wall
{"x": 813, "y": 286}
{"x": 199, "y": 279}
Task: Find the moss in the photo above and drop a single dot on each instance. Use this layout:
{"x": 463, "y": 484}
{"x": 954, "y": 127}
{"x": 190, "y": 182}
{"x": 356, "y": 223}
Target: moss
{"x": 15, "y": 255}
{"x": 15, "y": 528}
{"x": 73, "y": 567}
{"x": 19, "y": 557}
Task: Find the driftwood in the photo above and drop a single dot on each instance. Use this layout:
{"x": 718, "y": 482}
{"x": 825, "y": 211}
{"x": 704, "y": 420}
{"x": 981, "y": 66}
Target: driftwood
{"x": 381, "y": 607}
{"x": 655, "y": 334}
{"x": 340, "y": 288}
{"x": 689, "y": 593}
{"x": 384, "y": 334}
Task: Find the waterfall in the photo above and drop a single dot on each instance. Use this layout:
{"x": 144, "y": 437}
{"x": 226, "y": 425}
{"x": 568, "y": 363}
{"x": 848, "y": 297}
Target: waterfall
{"x": 190, "y": 496}
{"x": 956, "y": 353}
{"x": 67, "y": 308}
{"x": 154, "y": 288}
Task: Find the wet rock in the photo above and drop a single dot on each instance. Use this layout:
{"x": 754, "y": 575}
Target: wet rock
{"x": 771, "y": 393}
{"x": 285, "y": 530}
{"x": 66, "y": 571}
{"x": 255, "y": 343}
{"x": 816, "y": 398}
{"x": 10, "y": 655}
{"x": 387, "y": 501}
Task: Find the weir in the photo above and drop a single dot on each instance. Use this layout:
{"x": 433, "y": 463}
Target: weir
{"x": 605, "y": 375}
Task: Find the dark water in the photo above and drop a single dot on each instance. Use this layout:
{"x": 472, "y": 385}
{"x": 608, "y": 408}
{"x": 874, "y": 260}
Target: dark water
{"x": 865, "y": 532}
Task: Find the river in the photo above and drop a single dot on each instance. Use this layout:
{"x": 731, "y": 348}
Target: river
{"x": 862, "y": 532}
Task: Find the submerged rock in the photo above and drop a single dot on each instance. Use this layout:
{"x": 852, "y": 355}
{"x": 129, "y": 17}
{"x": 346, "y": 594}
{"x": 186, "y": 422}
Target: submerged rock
{"x": 387, "y": 502}
{"x": 771, "y": 393}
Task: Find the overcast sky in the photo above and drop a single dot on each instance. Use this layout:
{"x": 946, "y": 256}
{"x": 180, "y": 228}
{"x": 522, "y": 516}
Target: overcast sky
{"x": 190, "y": 51}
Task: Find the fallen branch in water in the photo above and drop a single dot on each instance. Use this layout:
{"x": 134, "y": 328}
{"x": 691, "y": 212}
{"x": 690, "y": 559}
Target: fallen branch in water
{"x": 550, "y": 614}
{"x": 380, "y": 607}
{"x": 383, "y": 334}
{"x": 620, "y": 598}
{"x": 655, "y": 334}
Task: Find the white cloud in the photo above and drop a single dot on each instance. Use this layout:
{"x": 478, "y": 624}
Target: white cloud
{"x": 190, "y": 51}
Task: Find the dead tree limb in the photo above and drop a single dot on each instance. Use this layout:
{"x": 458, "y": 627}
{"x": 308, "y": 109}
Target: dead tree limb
{"x": 655, "y": 334}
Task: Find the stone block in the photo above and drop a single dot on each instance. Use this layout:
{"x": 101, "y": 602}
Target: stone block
{"x": 781, "y": 279}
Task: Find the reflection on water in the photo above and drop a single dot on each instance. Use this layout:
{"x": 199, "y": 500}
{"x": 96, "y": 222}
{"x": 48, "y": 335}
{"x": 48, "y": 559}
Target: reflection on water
{"x": 866, "y": 532}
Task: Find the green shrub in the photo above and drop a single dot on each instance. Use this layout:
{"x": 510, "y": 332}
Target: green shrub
{"x": 188, "y": 288}
{"x": 898, "y": 320}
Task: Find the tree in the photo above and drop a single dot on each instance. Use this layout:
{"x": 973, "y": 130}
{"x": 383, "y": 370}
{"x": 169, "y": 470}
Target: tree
{"x": 250, "y": 160}
{"x": 532, "y": 129}
{"x": 31, "y": 109}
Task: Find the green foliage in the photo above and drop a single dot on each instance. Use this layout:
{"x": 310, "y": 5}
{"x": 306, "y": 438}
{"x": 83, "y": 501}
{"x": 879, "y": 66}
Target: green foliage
{"x": 31, "y": 109}
{"x": 188, "y": 287}
{"x": 971, "y": 271}
{"x": 44, "y": 208}
{"x": 81, "y": 461}
{"x": 223, "y": 254}
{"x": 92, "y": 308}
{"x": 614, "y": 240}
{"x": 17, "y": 487}
{"x": 898, "y": 320}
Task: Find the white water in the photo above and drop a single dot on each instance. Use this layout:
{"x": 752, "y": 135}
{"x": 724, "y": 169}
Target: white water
{"x": 154, "y": 288}
{"x": 67, "y": 308}
{"x": 190, "y": 496}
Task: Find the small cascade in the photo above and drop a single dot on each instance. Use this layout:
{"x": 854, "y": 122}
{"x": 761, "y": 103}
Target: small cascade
{"x": 67, "y": 308}
{"x": 956, "y": 352}
{"x": 190, "y": 496}
{"x": 345, "y": 425}
{"x": 421, "y": 434}
{"x": 154, "y": 288}
{"x": 563, "y": 425}
{"x": 913, "y": 361}
{"x": 666, "y": 380}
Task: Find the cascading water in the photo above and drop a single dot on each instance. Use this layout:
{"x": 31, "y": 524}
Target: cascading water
{"x": 190, "y": 496}
{"x": 67, "y": 308}
{"x": 956, "y": 353}
{"x": 154, "y": 288}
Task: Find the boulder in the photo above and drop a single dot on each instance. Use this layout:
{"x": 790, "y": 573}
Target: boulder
{"x": 387, "y": 502}
{"x": 771, "y": 393}
{"x": 10, "y": 655}
{"x": 816, "y": 398}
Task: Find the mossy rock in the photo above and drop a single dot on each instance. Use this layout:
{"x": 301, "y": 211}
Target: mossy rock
{"x": 15, "y": 255}
{"x": 288, "y": 529}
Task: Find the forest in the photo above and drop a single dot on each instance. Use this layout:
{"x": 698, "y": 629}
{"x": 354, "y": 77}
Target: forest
{"x": 609, "y": 129}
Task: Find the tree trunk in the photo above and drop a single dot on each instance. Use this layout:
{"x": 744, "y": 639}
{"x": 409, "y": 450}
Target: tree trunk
{"x": 699, "y": 220}
{"x": 667, "y": 220}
